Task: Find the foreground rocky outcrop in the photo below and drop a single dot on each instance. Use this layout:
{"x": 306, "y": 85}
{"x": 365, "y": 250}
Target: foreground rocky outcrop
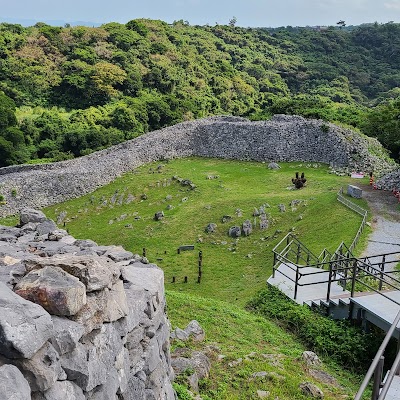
{"x": 283, "y": 138}
{"x": 77, "y": 320}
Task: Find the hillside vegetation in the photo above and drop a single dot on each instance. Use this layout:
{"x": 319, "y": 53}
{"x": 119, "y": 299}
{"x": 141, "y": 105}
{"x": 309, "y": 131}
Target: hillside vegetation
{"x": 73, "y": 90}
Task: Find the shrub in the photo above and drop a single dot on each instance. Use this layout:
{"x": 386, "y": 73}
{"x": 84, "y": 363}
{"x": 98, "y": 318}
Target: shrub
{"x": 339, "y": 340}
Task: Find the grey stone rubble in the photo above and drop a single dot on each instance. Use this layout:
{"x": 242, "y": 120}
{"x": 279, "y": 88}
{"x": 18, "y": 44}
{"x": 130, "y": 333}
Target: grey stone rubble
{"x": 283, "y": 138}
{"x": 88, "y": 321}
{"x": 389, "y": 181}
{"x": 184, "y": 359}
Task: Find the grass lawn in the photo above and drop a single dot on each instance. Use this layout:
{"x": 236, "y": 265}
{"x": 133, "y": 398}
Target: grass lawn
{"x": 233, "y": 269}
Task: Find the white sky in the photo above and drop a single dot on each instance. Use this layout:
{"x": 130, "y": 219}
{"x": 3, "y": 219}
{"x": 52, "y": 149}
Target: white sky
{"x": 252, "y": 13}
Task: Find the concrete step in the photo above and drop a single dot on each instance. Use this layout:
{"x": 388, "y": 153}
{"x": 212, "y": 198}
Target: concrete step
{"x": 394, "y": 390}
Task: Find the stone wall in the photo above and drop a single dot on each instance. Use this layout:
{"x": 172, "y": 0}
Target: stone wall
{"x": 77, "y": 320}
{"x": 283, "y": 138}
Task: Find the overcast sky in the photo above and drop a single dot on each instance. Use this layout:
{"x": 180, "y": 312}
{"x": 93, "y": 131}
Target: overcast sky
{"x": 249, "y": 13}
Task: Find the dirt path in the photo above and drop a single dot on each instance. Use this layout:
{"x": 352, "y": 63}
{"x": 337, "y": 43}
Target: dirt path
{"x": 385, "y": 237}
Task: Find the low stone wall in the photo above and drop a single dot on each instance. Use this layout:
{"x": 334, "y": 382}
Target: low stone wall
{"x": 283, "y": 138}
{"x": 77, "y": 320}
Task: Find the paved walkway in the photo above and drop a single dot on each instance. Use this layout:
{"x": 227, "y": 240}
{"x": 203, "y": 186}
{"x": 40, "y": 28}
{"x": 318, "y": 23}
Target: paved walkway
{"x": 385, "y": 237}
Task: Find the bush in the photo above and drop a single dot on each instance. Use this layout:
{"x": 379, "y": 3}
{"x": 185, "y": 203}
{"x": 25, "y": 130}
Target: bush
{"x": 339, "y": 340}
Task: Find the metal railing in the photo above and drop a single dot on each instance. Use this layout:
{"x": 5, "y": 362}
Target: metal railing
{"x": 293, "y": 250}
{"x": 379, "y": 390}
{"x": 342, "y": 268}
{"x": 359, "y": 210}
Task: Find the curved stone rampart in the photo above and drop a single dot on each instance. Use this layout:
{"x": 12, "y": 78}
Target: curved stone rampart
{"x": 283, "y": 138}
{"x": 79, "y": 321}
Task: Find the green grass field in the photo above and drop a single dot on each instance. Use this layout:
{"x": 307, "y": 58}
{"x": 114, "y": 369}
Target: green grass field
{"x": 233, "y": 269}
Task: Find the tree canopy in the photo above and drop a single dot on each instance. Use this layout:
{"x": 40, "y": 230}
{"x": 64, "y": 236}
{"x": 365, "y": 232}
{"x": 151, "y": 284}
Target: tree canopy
{"x": 72, "y": 90}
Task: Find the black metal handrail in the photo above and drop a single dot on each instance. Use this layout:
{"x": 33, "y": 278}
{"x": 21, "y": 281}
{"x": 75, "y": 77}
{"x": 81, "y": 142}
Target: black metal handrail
{"x": 376, "y": 368}
{"x": 344, "y": 270}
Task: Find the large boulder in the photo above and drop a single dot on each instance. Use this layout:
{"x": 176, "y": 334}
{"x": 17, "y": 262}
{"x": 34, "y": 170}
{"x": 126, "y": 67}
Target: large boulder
{"x": 66, "y": 334}
{"x": 56, "y": 291}
{"x": 94, "y": 272}
{"x": 24, "y": 326}
{"x": 235, "y": 231}
{"x": 31, "y": 215}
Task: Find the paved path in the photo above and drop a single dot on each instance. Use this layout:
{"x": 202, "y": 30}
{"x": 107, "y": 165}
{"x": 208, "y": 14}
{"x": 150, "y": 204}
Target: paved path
{"x": 385, "y": 237}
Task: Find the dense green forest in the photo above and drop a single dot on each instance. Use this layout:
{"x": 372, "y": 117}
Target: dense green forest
{"x": 68, "y": 91}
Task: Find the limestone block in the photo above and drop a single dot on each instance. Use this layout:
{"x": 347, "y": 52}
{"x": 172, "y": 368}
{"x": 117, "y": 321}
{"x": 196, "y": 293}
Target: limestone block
{"x": 135, "y": 390}
{"x": 45, "y": 227}
{"x": 24, "y": 326}
{"x": 169, "y": 390}
{"x": 354, "y": 191}
{"x": 144, "y": 276}
{"x": 64, "y": 390}
{"x": 13, "y": 385}
{"x": 66, "y": 334}
{"x": 309, "y": 389}
{"x": 211, "y": 227}
{"x": 153, "y": 358}
{"x": 43, "y": 369}
{"x": 106, "y": 391}
{"x": 6, "y": 237}
{"x": 234, "y": 231}
{"x": 122, "y": 365}
{"x": 134, "y": 346}
{"x": 84, "y": 367}
{"x": 117, "y": 306}
{"x": 118, "y": 255}
{"x": 91, "y": 315}
{"x": 56, "y": 291}
{"x": 195, "y": 331}
{"x": 82, "y": 243}
{"x": 31, "y": 215}
{"x": 104, "y": 343}
{"x": 247, "y": 227}
{"x": 94, "y": 272}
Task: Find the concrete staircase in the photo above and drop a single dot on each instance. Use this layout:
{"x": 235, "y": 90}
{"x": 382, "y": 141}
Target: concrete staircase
{"x": 379, "y": 309}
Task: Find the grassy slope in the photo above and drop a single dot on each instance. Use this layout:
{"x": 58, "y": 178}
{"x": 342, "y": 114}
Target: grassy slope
{"x": 238, "y": 333}
{"x": 231, "y": 271}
